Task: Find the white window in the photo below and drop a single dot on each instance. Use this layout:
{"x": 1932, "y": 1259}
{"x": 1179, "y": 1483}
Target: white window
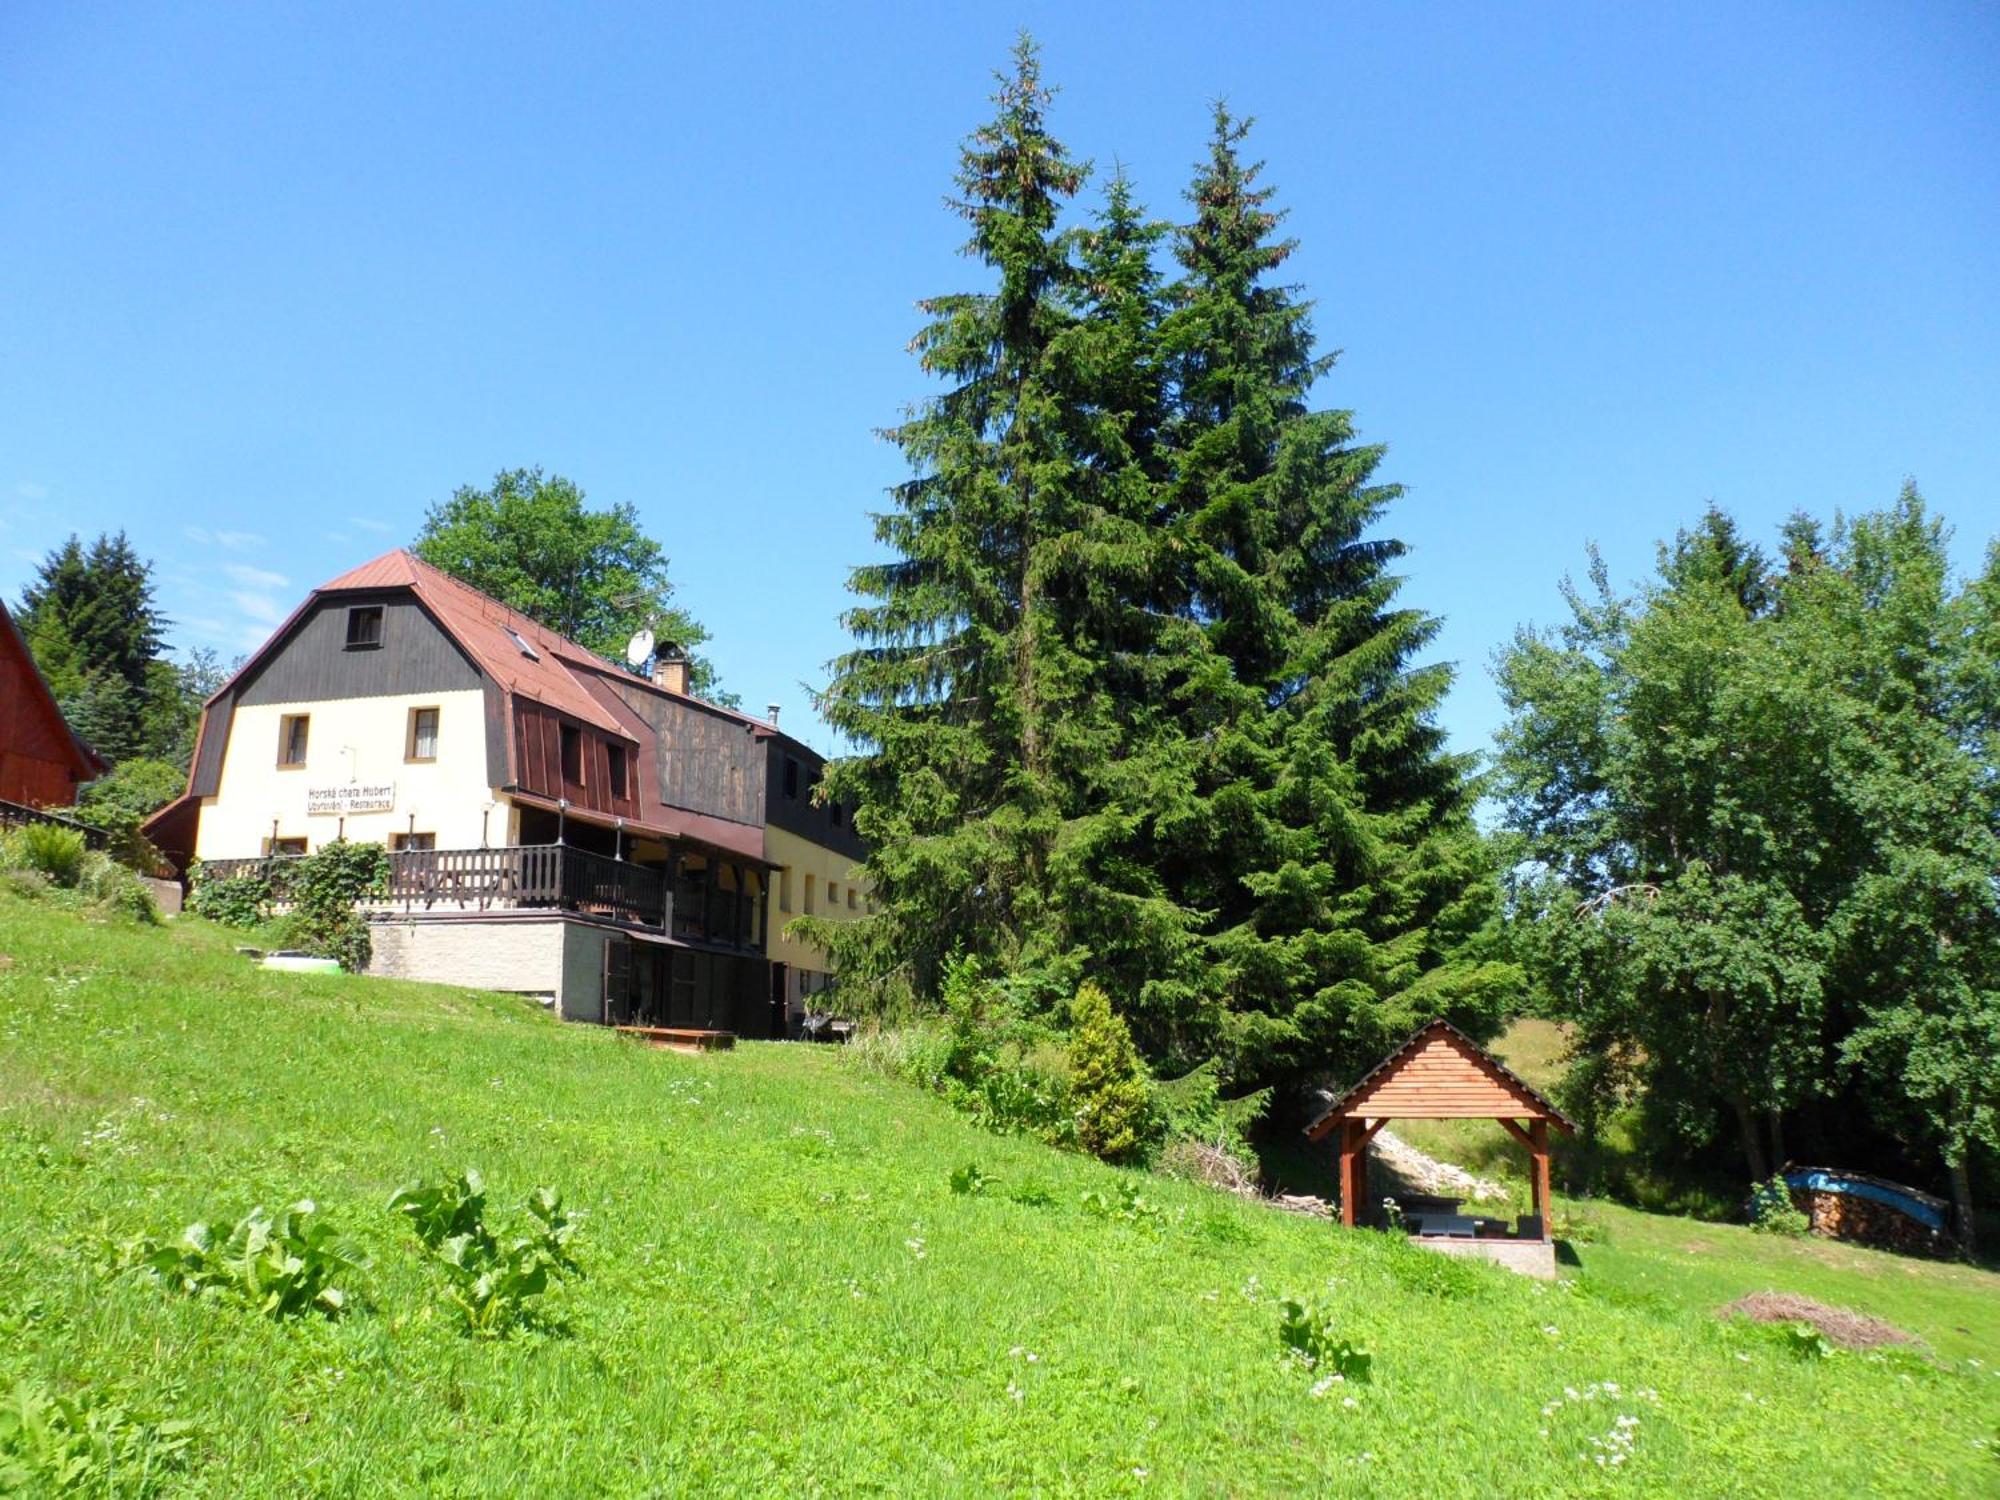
{"x": 423, "y": 741}
{"x": 293, "y": 730}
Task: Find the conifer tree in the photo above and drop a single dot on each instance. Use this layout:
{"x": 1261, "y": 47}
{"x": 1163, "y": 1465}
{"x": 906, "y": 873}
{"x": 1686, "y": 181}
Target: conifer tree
{"x": 1327, "y": 836}
{"x": 990, "y": 728}
{"x": 1132, "y": 698}
{"x": 90, "y": 620}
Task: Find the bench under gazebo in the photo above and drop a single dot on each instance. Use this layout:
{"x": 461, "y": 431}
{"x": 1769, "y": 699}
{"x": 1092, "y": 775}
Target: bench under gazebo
{"x": 1442, "y": 1074}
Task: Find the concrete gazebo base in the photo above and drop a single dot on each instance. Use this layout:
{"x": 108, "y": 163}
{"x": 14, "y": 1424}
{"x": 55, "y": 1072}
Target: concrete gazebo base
{"x": 1536, "y": 1258}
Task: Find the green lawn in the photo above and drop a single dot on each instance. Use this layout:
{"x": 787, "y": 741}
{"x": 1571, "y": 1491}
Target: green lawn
{"x": 784, "y": 1296}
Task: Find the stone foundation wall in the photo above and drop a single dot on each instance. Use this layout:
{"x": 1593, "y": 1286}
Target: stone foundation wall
{"x": 515, "y": 956}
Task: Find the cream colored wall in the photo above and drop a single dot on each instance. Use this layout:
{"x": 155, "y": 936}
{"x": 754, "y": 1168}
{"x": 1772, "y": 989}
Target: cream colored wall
{"x": 447, "y": 795}
{"x": 802, "y": 858}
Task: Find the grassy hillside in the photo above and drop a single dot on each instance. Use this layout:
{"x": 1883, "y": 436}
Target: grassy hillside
{"x": 785, "y": 1296}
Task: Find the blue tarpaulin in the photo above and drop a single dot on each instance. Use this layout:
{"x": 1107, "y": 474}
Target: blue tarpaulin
{"x": 1817, "y": 1179}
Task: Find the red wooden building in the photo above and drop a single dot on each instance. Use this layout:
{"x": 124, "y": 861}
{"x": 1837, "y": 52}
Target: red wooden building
{"x": 42, "y": 762}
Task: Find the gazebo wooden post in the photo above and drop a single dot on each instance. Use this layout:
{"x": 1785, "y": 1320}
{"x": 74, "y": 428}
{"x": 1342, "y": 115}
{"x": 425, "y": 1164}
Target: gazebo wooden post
{"x": 1538, "y": 1144}
{"x": 1350, "y": 1169}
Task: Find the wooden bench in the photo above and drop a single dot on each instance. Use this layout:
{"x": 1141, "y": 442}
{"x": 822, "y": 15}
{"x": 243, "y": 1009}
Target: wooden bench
{"x": 691, "y": 1038}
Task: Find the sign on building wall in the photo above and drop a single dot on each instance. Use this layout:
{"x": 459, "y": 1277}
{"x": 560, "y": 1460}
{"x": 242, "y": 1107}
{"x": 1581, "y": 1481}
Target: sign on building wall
{"x": 354, "y": 797}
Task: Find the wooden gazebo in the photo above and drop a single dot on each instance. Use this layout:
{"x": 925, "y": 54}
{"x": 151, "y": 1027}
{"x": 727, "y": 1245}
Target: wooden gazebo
{"x": 1439, "y": 1074}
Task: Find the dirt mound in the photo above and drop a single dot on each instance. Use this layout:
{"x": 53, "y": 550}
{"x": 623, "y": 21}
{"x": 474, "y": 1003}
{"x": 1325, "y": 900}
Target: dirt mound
{"x": 1849, "y": 1330}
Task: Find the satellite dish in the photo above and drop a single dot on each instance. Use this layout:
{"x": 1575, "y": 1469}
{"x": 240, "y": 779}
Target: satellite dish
{"x": 639, "y": 650}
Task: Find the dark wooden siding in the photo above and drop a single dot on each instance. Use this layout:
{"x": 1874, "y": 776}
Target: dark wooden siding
{"x": 312, "y": 662}
{"x": 538, "y": 761}
{"x": 800, "y": 814}
{"x": 215, "y": 727}
{"x": 496, "y": 735}
{"x": 705, "y": 761}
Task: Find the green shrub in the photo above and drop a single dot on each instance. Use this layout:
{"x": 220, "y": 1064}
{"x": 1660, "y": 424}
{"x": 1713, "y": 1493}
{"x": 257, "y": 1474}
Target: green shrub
{"x": 986, "y": 1056}
{"x": 282, "y": 1266}
{"x": 115, "y": 889}
{"x": 29, "y": 885}
{"x": 1193, "y": 1109}
{"x": 968, "y": 1181}
{"x": 49, "y": 849}
{"x": 238, "y": 901}
{"x": 1131, "y": 1207}
{"x": 82, "y": 1444}
{"x": 118, "y": 803}
{"x": 493, "y": 1281}
{"x": 1773, "y": 1212}
{"x": 1115, "y": 1116}
{"x": 1033, "y": 1193}
{"x": 1310, "y": 1338}
{"x": 324, "y": 888}
{"x": 44, "y": 862}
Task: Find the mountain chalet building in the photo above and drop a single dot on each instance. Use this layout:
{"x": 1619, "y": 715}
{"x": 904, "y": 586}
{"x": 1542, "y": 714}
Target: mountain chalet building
{"x": 556, "y": 825}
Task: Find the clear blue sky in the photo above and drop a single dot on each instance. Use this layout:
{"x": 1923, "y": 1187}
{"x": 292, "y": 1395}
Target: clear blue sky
{"x": 275, "y": 277}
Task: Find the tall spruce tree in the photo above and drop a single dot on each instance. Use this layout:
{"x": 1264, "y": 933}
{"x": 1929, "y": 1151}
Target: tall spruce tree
{"x": 1132, "y": 699}
{"x": 982, "y": 696}
{"x": 1327, "y": 838}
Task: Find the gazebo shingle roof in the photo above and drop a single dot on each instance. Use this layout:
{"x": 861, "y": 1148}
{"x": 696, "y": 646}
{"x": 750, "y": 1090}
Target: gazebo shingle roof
{"x": 1511, "y": 1082}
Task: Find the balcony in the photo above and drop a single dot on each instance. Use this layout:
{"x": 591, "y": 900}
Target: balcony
{"x": 538, "y": 877}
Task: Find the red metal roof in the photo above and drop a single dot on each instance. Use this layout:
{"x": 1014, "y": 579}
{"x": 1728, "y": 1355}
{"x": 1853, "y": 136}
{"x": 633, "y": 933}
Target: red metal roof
{"x": 486, "y": 629}
{"x": 554, "y": 671}
{"x": 560, "y": 674}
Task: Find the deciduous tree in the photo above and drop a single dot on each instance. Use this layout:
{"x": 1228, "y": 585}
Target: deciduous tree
{"x": 530, "y": 541}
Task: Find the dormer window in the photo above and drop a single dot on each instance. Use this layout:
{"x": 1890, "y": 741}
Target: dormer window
{"x": 364, "y": 627}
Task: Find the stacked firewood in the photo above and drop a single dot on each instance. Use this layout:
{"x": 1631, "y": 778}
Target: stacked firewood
{"x": 1863, "y": 1221}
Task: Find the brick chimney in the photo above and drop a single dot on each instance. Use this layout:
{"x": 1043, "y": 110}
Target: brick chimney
{"x": 670, "y": 668}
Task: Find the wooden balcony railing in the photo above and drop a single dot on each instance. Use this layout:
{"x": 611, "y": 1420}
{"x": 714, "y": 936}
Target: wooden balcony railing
{"x": 540, "y": 876}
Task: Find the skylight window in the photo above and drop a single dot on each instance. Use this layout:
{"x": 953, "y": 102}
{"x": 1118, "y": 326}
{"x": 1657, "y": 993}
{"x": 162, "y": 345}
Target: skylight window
{"x": 522, "y": 646}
